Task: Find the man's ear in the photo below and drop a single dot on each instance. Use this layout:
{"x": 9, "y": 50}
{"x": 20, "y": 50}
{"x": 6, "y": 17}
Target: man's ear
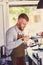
{"x": 17, "y": 22}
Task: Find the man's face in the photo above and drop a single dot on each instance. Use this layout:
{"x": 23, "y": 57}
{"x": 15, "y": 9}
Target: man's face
{"x": 22, "y": 23}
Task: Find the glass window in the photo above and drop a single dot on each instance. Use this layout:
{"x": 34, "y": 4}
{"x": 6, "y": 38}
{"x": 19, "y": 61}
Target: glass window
{"x": 35, "y": 23}
{"x": 15, "y": 11}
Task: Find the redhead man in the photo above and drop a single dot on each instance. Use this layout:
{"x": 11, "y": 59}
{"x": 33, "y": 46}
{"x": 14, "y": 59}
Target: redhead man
{"x": 15, "y": 40}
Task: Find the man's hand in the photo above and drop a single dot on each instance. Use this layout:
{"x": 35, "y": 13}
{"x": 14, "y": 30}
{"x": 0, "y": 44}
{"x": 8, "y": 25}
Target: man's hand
{"x": 26, "y": 38}
{"x": 20, "y": 36}
{"x": 29, "y": 43}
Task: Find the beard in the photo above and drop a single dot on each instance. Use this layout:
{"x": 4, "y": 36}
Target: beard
{"x": 21, "y": 28}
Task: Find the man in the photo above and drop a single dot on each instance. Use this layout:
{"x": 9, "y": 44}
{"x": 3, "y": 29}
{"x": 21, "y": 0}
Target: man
{"x": 15, "y": 40}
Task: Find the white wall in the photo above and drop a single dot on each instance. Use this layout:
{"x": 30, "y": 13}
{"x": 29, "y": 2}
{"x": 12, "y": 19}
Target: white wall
{"x": 2, "y": 22}
{"x": 1, "y": 26}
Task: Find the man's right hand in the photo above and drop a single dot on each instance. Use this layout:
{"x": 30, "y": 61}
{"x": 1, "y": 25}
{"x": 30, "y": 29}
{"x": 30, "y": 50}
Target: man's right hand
{"x": 20, "y": 36}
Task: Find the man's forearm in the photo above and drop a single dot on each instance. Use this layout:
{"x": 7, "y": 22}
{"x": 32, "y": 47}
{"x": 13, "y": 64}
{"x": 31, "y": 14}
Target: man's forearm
{"x": 14, "y": 44}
